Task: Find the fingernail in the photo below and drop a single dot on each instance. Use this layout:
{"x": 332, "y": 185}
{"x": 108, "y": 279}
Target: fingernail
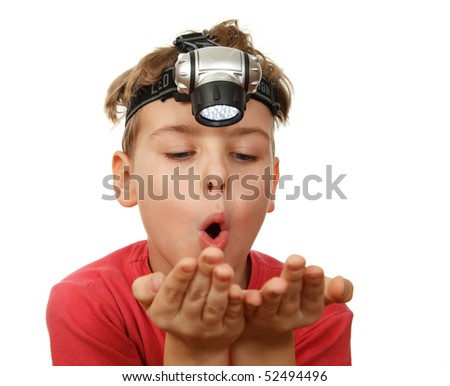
{"x": 211, "y": 259}
{"x": 223, "y": 273}
{"x": 155, "y": 282}
{"x": 188, "y": 267}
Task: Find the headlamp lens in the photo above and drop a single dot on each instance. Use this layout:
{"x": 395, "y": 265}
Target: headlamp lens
{"x": 218, "y": 103}
{"x": 219, "y": 113}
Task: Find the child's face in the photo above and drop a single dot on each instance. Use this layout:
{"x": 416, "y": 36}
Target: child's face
{"x": 199, "y": 175}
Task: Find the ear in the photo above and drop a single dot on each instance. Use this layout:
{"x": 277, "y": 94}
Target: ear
{"x": 276, "y": 174}
{"x": 123, "y": 186}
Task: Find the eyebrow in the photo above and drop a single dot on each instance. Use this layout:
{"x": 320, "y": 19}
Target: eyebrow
{"x": 188, "y": 130}
{"x": 241, "y": 131}
{"x": 181, "y": 129}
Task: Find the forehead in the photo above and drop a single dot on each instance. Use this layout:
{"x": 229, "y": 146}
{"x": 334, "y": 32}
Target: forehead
{"x": 159, "y": 115}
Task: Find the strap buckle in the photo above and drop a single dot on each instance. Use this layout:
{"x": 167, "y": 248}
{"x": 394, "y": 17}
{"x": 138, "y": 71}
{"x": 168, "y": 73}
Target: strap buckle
{"x": 193, "y": 41}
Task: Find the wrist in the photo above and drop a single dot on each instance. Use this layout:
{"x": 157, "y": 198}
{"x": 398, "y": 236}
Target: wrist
{"x": 179, "y": 353}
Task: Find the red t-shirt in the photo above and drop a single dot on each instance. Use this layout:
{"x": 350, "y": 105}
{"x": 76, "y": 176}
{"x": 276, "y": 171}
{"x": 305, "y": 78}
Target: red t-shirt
{"x": 93, "y": 318}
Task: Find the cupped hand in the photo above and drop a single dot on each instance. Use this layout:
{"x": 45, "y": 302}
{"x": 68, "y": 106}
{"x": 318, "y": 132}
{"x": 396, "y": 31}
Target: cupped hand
{"x": 196, "y": 302}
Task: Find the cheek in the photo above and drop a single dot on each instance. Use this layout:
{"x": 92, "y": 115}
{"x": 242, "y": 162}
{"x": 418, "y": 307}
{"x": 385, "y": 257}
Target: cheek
{"x": 164, "y": 182}
{"x": 162, "y": 212}
{"x": 251, "y": 205}
{"x": 253, "y": 188}
{"x": 150, "y": 211}
{"x": 160, "y": 222}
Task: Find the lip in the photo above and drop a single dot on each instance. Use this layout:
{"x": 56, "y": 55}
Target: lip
{"x": 221, "y": 240}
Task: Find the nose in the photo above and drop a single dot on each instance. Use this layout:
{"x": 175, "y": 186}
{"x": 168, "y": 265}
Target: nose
{"x": 216, "y": 174}
{"x": 214, "y": 185}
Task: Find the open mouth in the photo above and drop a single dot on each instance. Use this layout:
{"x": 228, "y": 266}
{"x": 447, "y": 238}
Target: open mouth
{"x": 213, "y": 230}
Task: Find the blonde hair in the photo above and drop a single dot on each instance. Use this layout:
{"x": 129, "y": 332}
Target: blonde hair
{"x": 151, "y": 67}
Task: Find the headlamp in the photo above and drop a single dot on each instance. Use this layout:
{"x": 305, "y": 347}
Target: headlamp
{"x": 218, "y": 81}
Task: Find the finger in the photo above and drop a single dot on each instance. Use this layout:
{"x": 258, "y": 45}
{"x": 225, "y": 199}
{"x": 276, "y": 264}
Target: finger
{"x": 170, "y": 296}
{"x": 252, "y": 300}
{"x": 198, "y": 290}
{"x": 312, "y": 296}
{"x": 271, "y": 293}
{"x": 338, "y": 290}
{"x": 144, "y": 288}
{"x": 293, "y": 272}
{"x": 217, "y": 298}
{"x": 235, "y": 311}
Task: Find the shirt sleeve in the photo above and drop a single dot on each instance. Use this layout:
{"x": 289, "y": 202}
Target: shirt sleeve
{"x": 86, "y": 329}
{"x": 326, "y": 342}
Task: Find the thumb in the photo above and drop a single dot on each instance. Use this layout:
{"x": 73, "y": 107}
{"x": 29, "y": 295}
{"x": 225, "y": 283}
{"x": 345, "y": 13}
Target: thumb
{"x": 144, "y": 288}
{"x": 338, "y": 290}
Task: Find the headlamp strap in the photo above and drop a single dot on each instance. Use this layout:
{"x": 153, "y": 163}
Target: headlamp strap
{"x": 166, "y": 87}
{"x": 192, "y": 41}
{"x": 265, "y": 93}
{"x": 163, "y": 89}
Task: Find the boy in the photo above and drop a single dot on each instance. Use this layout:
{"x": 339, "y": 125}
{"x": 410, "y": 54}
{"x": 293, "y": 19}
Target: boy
{"x": 198, "y": 159}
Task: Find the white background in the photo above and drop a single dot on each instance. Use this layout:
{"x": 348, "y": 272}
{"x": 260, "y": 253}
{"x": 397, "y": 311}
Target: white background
{"x": 372, "y": 99}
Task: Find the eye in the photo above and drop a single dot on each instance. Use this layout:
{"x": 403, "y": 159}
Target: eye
{"x": 244, "y": 157}
{"x": 179, "y": 156}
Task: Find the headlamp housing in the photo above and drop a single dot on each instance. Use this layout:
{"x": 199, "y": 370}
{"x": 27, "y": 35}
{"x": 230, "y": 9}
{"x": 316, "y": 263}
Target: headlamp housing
{"x": 216, "y": 77}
